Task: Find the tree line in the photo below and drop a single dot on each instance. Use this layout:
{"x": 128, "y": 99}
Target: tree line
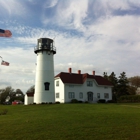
{"x": 122, "y": 85}
{"x": 8, "y": 94}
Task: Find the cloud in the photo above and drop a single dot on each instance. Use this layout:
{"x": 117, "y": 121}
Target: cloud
{"x": 66, "y": 13}
{"x": 50, "y": 3}
{"x": 21, "y": 72}
{"x": 12, "y": 7}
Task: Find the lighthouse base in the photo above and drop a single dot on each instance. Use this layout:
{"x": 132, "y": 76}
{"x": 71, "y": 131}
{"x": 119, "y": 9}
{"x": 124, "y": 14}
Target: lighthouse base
{"x": 40, "y": 97}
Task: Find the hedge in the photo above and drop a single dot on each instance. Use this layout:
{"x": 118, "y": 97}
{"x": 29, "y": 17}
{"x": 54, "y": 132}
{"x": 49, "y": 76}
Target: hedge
{"x": 130, "y": 98}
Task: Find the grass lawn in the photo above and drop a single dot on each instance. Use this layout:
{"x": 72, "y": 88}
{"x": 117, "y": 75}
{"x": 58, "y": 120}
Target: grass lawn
{"x": 71, "y": 122}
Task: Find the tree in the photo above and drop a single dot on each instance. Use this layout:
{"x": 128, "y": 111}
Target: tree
{"x": 105, "y": 75}
{"x": 123, "y": 85}
{"x": 13, "y": 95}
{"x": 122, "y": 88}
{"x": 131, "y": 90}
{"x": 5, "y": 93}
{"x": 31, "y": 89}
{"x": 113, "y": 79}
{"x": 16, "y": 95}
{"x": 134, "y": 81}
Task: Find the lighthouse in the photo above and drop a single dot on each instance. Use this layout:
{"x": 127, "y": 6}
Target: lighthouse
{"x": 44, "y": 82}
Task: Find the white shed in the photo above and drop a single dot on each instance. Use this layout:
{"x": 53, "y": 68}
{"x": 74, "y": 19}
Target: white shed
{"x": 29, "y": 98}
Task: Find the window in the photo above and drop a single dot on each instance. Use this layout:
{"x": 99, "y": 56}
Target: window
{"x": 89, "y": 83}
{"x": 57, "y": 83}
{"x": 46, "y": 84}
{"x": 39, "y": 45}
{"x": 98, "y": 95}
{"x": 81, "y": 95}
{"x": 57, "y": 95}
{"x": 71, "y": 95}
{"x": 106, "y": 95}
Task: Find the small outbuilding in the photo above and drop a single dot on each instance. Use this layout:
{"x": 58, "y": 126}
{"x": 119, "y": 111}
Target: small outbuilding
{"x": 29, "y": 98}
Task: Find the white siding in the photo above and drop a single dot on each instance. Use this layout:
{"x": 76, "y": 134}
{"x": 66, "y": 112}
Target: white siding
{"x": 59, "y": 89}
{"x": 77, "y": 88}
{"x": 28, "y": 100}
{"x": 44, "y": 73}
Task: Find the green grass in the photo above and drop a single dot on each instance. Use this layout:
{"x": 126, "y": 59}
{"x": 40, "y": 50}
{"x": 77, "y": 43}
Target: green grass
{"x": 71, "y": 122}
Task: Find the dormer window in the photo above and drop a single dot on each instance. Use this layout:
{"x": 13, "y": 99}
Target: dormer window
{"x": 89, "y": 83}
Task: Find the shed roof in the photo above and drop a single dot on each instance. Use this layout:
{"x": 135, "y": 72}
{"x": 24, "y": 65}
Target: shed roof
{"x": 30, "y": 94}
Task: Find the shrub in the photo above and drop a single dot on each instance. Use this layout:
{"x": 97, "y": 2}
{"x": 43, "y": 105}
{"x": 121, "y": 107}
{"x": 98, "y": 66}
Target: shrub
{"x": 101, "y": 101}
{"x": 43, "y": 103}
{"x": 110, "y": 101}
{"x": 34, "y": 103}
{"x": 80, "y": 101}
{"x": 57, "y": 102}
{"x": 86, "y": 101}
{"x": 129, "y": 98}
{"x": 50, "y": 102}
{"x": 74, "y": 101}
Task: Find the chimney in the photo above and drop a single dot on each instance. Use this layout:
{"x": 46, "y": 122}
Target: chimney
{"x": 79, "y": 71}
{"x": 93, "y": 72}
{"x": 69, "y": 70}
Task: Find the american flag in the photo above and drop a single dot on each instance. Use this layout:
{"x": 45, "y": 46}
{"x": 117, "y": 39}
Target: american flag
{"x": 4, "y": 63}
{"x": 5, "y": 33}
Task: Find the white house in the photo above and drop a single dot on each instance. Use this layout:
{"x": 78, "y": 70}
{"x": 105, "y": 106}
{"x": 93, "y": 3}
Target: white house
{"x": 83, "y": 87}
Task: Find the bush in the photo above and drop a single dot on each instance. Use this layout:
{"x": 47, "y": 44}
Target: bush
{"x": 129, "y": 99}
{"x": 110, "y": 101}
{"x": 74, "y": 101}
{"x": 101, "y": 101}
{"x": 86, "y": 101}
{"x": 50, "y": 102}
{"x": 34, "y": 103}
{"x": 57, "y": 102}
{"x": 80, "y": 101}
{"x": 43, "y": 103}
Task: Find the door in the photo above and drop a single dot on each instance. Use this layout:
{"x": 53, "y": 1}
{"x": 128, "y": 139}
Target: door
{"x": 90, "y": 96}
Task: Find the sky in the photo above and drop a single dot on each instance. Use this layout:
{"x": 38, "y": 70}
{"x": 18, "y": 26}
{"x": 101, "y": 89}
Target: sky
{"x": 100, "y": 35}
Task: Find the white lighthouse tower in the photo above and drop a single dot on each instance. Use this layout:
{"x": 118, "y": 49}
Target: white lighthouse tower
{"x": 44, "y": 83}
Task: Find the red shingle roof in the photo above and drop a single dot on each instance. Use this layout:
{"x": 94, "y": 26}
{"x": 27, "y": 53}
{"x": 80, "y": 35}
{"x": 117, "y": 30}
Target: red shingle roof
{"x": 30, "y": 94}
{"x": 74, "y": 78}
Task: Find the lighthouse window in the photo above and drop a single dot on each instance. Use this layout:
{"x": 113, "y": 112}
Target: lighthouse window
{"x": 46, "y": 84}
{"x": 39, "y": 44}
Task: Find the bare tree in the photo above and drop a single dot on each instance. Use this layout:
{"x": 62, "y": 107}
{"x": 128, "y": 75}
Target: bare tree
{"x": 134, "y": 81}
